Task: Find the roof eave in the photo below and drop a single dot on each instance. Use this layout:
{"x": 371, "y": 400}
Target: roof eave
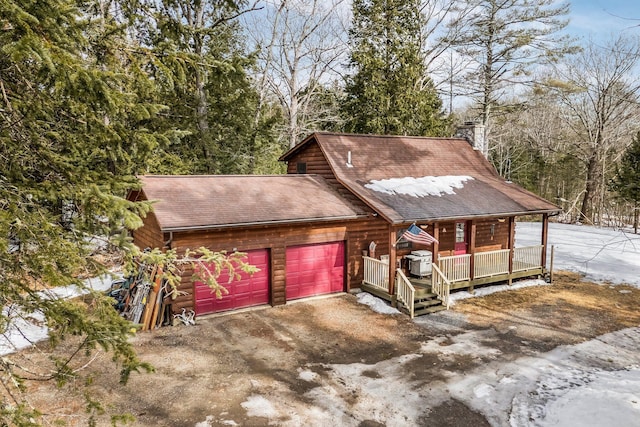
{"x": 492, "y": 215}
{"x": 260, "y": 223}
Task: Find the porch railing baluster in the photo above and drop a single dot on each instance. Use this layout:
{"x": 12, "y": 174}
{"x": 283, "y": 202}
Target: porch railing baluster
{"x": 440, "y": 286}
{"x": 376, "y": 273}
{"x": 527, "y": 258}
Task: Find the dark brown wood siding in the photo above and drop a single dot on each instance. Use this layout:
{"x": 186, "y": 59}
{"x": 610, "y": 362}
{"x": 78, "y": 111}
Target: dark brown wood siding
{"x": 484, "y": 239}
{"x": 149, "y": 235}
{"x": 316, "y": 163}
{"x": 356, "y": 233}
{"x": 488, "y": 241}
{"x": 447, "y": 238}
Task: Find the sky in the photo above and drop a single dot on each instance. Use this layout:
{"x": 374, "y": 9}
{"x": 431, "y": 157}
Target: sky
{"x": 602, "y": 18}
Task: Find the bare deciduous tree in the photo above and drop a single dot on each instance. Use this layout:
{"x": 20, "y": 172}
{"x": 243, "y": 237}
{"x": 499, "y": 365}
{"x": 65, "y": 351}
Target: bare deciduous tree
{"x": 599, "y": 88}
{"x": 299, "y": 51}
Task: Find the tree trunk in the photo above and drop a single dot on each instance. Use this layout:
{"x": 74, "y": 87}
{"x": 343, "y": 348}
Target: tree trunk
{"x": 294, "y": 131}
{"x": 591, "y": 187}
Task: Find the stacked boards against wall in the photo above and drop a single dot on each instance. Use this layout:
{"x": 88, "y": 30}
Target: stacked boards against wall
{"x": 143, "y": 298}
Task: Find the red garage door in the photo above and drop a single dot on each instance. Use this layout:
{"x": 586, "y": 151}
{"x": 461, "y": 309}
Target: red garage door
{"x": 244, "y": 292}
{"x": 314, "y": 269}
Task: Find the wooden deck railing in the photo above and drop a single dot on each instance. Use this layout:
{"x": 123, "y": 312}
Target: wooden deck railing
{"x": 486, "y": 264}
{"x": 376, "y": 273}
{"x": 527, "y": 258}
{"x": 405, "y": 292}
{"x": 440, "y": 285}
{"x": 456, "y": 268}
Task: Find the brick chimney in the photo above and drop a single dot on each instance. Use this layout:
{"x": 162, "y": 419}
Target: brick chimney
{"x": 474, "y": 133}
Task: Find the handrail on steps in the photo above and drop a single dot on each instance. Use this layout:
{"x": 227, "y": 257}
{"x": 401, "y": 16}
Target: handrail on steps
{"x": 440, "y": 285}
{"x": 405, "y": 292}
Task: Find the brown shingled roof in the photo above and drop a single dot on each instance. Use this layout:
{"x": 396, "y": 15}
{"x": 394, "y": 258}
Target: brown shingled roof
{"x": 199, "y": 202}
{"x": 384, "y": 157}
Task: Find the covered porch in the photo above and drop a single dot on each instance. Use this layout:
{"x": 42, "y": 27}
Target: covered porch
{"x": 481, "y": 265}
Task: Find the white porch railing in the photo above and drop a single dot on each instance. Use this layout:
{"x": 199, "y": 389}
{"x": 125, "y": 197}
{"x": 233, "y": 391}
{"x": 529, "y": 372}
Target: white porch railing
{"x": 486, "y": 264}
{"x": 440, "y": 285}
{"x": 376, "y": 273}
{"x": 527, "y": 258}
{"x": 456, "y": 268}
{"x": 405, "y": 292}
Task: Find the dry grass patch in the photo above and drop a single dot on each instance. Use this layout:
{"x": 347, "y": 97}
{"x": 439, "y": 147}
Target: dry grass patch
{"x": 569, "y": 311}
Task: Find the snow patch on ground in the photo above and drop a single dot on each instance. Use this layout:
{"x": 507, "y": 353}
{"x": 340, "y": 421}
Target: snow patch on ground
{"x": 376, "y": 304}
{"x": 258, "y": 406}
{"x": 419, "y": 187}
{"x": 616, "y": 391}
{"x": 465, "y": 344}
{"x": 25, "y": 329}
{"x": 552, "y": 389}
{"x": 601, "y": 254}
{"x": 307, "y": 375}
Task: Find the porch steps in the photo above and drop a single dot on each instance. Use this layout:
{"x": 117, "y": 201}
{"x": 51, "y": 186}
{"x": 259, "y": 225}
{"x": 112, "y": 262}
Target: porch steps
{"x": 425, "y": 301}
{"x": 428, "y": 306}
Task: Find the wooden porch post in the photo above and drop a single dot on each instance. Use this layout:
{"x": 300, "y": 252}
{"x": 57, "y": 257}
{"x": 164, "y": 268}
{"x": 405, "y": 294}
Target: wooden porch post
{"x": 472, "y": 249}
{"x": 511, "y": 244}
{"x": 436, "y": 245}
{"x": 545, "y": 233}
{"x": 392, "y": 261}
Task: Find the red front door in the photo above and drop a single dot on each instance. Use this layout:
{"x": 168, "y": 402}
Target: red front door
{"x": 462, "y": 238}
{"x": 314, "y": 269}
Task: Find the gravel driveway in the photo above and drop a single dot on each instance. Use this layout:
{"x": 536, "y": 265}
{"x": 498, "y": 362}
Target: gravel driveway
{"x": 333, "y": 361}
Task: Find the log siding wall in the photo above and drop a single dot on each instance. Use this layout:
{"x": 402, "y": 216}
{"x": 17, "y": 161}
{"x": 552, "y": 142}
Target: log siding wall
{"x": 357, "y": 234}
{"x": 484, "y": 239}
{"x": 149, "y": 235}
{"x": 317, "y": 164}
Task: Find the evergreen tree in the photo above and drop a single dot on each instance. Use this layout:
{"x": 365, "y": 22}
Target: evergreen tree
{"x": 197, "y": 56}
{"x": 500, "y": 42}
{"x": 627, "y": 180}
{"x": 389, "y": 91}
{"x": 72, "y": 136}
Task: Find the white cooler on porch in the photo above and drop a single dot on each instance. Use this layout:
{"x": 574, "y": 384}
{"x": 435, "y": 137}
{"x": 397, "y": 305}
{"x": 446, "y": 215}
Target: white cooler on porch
{"x": 420, "y": 263}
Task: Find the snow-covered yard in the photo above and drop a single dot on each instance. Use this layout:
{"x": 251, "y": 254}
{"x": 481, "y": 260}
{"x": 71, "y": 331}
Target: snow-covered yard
{"x": 601, "y": 254}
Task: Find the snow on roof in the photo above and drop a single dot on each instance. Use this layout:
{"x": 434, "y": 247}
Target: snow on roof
{"x": 419, "y": 187}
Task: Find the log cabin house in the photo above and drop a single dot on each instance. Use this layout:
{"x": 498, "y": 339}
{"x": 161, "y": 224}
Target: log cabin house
{"x": 311, "y": 231}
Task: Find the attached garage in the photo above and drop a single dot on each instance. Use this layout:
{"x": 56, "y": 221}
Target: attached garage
{"x": 247, "y": 291}
{"x": 314, "y": 269}
{"x": 302, "y": 248}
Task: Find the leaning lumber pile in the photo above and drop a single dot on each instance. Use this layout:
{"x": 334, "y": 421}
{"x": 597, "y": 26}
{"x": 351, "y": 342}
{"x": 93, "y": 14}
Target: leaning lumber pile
{"x": 143, "y": 298}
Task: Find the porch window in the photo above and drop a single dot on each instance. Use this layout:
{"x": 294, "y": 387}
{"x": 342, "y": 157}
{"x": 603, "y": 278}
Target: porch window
{"x": 460, "y": 232}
